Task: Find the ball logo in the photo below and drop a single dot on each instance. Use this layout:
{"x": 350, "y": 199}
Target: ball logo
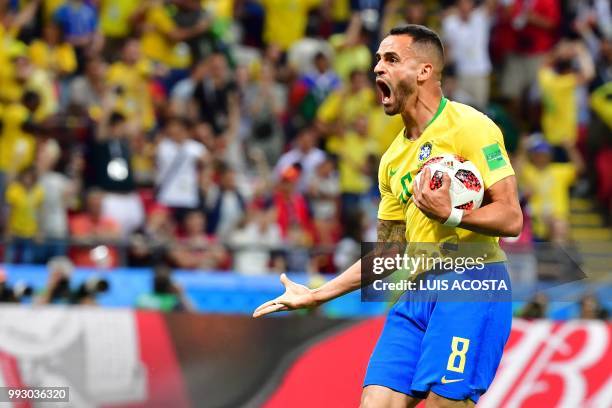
{"x": 425, "y": 151}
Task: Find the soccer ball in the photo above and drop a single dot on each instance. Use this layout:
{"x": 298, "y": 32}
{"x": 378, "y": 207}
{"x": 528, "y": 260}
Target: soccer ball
{"x": 466, "y": 189}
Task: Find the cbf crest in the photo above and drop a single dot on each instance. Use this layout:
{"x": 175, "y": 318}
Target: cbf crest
{"x": 425, "y": 151}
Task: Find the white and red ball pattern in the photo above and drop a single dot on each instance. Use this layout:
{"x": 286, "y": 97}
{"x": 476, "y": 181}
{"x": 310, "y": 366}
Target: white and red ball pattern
{"x": 467, "y": 187}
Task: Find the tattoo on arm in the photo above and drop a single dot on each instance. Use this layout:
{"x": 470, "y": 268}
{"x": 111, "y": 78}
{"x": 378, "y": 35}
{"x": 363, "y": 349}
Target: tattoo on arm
{"x": 391, "y": 231}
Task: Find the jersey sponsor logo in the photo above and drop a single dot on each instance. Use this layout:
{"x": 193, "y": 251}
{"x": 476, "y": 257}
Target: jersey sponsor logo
{"x": 425, "y": 151}
{"x": 444, "y": 380}
{"x": 493, "y": 156}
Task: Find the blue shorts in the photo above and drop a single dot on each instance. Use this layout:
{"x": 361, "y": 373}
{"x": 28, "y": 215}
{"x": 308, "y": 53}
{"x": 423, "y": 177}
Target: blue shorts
{"x": 446, "y": 341}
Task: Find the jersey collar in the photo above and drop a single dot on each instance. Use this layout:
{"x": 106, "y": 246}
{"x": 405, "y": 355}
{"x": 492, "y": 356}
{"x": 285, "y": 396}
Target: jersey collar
{"x": 438, "y": 112}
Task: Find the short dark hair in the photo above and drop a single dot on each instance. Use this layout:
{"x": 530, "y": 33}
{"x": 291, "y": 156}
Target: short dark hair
{"x": 116, "y": 118}
{"x": 30, "y": 97}
{"x": 181, "y": 121}
{"x": 423, "y": 36}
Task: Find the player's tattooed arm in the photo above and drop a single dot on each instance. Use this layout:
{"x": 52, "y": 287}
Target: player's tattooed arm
{"x": 391, "y": 231}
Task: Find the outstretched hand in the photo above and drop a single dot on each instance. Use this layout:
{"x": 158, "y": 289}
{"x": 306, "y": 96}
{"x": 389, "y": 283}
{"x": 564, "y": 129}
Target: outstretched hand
{"x": 296, "y": 296}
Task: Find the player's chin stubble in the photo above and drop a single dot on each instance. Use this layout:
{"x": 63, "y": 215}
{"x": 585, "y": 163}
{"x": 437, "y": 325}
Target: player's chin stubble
{"x": 402, "y": 92}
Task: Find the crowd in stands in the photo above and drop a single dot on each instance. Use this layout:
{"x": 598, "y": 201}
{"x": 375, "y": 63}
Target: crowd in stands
{"x": 245, "y": 134}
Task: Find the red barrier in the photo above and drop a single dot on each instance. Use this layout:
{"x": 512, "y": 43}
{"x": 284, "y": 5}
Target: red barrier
{"x": 546, "y": 364}
{"x": 126, "y": 358}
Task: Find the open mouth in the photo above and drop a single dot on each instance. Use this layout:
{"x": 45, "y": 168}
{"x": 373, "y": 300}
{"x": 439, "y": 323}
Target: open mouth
{"x": 385, "y": 89}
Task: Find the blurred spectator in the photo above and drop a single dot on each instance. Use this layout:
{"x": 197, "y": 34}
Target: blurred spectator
{"x": 293, "y": 219}
{"x": 546, "y": 186}
{"x": 265, "y": 101}
{"x": 324, "y": 192}
{"x": 116, "y": 24}
{"x": 87, "y": 292}
{"x": 351, "y": 49}
{"x": 591, "y": 308}
{"x": 568, "y": 67}
{"x": 59, "y": 193}
{"x": 87, "y": 91}
{"x": 178, "y": 158}
{"x": 195, "y": 249}
{"x": 603, "y": 53}
{"x": 94, "y": 234}
{"x": 148, "y": 246}
{"x": 255, "y": 242}
{"x": 78, "y": 20}
{"x": 167, "y": 296}
{"x": 520, "y": 251}
{"x": 128, "y": 79}
{"x": 531, "y": 33}
{"x": 163, "y": 40}
{"x": 594, "y": 16}
{"x": 342, "y": 107}
{"x": 536, "y": 308}
{"x": 57, "y": 290}
{"x": 182, "y": 91}
{"x": 215, "y": 98}
{"x": 285, "y": 21}
{"x": 17, "y": 144}
{"x": 398, "y": 12}
{"x": 111, "y": 163}
{"x": 466, "y": 33}
{"x": 354, "y": 149}
{"x": 24, "y": 198}
{"x": 305, "y": 154}
{"x": 223, "y": 203}
{"x": 190, "y": 15}
{"x": 14, "y": 294}
{"x": 600, "y": 147}
{"x": 452, "y": 89}
{"x": 319, "y": 82}
{"x": 348, "y": 250}
{"x": 53, "y": 53}
{"x": 20, "y": 77}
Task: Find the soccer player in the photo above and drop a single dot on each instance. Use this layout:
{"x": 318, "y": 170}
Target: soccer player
{"x": 445, "y": 352}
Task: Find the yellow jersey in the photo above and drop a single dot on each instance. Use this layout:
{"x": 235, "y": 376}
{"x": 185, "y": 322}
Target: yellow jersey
{"x": 23, "y": 209}
{"x": 549, "y": 192}
{"x": 454, "y": 129}
{"x": 560, "y": 110}
{"x": 353, "y": 151}
{"x": 286, "y": 20}
{"x": 17, "y": 148}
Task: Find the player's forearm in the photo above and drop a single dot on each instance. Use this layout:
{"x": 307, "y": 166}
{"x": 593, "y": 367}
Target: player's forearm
{"x": 346, "y": 282}
{"x": 497, "y": 219}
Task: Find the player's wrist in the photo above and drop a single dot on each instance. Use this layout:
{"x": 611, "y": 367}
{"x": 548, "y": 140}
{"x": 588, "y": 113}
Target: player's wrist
{"x": 318, "y": 297}
{"x": 454, "y": 218}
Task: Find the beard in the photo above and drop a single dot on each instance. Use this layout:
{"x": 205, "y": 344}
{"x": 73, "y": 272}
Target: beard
{"x": 403, "y": 90}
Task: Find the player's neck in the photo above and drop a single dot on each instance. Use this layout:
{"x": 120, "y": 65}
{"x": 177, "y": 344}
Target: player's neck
{"x": 419, "y": 112}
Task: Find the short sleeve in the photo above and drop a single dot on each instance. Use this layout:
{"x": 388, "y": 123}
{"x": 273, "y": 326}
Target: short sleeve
{"x": 389, "y": 207}
{"x": 482, "y": 143}
{"x": 12, "y": 195}
{"x": 329, "y": 109}
{"x": 160, "y": 19}
{"x": 566, "y": 173}
{"x": 548, "y": 78}
{"x": 197, "y": 149}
